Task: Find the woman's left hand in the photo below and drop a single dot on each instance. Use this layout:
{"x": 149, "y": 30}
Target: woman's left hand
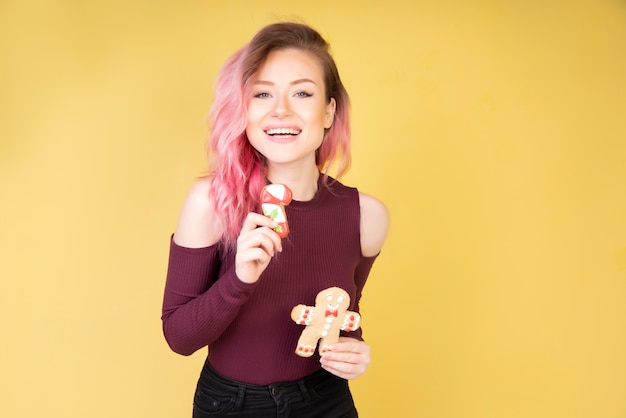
{"x": 348, "y": 358}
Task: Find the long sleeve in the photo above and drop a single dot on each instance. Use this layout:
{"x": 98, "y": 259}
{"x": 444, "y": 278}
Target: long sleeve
{"x": 361, "y": 273}
{"x": 202, "y": 297}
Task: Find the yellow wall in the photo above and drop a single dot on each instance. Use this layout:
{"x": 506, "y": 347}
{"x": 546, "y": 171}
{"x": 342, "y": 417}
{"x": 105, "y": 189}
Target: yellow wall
{"x": 494, "y": 131}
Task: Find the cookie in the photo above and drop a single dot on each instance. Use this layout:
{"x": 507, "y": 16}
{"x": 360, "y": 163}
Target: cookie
{"x": 324, "y": 321}
{"x": 274, "y": 197}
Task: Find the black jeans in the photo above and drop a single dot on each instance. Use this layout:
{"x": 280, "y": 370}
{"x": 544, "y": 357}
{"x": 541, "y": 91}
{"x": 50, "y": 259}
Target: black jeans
{"x": 319, "y": 395}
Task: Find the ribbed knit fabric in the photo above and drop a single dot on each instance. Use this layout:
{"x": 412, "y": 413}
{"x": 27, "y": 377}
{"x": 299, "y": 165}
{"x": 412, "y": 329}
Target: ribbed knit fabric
{"x": 248, "y": 327}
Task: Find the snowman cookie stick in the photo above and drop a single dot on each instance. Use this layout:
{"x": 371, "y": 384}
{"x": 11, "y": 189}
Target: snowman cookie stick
{"x": 274, "y": 197}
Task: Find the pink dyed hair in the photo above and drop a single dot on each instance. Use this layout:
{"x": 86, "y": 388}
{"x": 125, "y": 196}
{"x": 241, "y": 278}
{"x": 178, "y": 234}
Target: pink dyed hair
{"x": 237, "y": 169}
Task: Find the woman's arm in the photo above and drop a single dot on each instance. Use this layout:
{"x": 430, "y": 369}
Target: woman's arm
{"x": 197, "y": 307}
{"x": 350, "y": 357}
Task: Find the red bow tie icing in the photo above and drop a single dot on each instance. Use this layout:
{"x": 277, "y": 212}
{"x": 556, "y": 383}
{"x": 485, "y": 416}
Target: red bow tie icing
{"x": 329, "y": 313}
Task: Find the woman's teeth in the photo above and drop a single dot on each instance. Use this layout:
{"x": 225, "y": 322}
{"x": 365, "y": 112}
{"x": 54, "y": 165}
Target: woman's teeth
{"x": 282, "y": 131}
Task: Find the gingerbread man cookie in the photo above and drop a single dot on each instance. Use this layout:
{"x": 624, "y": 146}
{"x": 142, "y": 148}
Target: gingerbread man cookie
{"x": 324, "y": 320}
{"x": 274, "y": 197}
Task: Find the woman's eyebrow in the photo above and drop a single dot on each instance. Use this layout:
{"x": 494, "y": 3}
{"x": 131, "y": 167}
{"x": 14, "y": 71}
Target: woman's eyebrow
{"x": 298, "y": 81}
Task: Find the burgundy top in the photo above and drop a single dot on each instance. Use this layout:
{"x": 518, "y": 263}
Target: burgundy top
{"x": 248, "y": 326}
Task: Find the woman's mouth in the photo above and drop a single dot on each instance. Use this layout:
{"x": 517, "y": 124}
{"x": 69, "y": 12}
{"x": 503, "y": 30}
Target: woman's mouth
{"x": 283, "y": 132}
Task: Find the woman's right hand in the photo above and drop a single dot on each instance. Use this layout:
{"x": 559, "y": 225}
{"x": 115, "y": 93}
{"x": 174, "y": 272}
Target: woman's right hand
{"x": 256, "y": 245}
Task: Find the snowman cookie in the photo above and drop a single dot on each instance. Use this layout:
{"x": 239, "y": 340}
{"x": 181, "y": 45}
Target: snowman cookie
{"x": 274, "y": 197}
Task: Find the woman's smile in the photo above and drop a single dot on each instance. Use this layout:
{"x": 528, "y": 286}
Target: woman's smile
{"x": 283, "y": 134}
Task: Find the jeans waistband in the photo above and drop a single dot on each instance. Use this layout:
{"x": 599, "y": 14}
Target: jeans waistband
{"x": 236, "y": 387}
{"x": 305, "y": 397}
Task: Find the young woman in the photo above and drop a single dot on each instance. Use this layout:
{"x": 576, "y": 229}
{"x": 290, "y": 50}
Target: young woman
{"x": 280, "y": 115}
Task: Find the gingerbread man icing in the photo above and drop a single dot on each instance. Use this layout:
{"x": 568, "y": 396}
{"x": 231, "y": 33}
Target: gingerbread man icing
{"x": 274, "y": 197}
{"x": 324, "y": 321}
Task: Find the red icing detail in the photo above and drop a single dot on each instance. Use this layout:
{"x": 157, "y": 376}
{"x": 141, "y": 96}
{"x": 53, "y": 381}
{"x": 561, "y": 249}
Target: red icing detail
{"x": 351, "y": 317}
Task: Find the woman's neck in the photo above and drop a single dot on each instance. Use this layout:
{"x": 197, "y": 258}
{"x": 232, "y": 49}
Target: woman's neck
{"x": 303, "y": 183}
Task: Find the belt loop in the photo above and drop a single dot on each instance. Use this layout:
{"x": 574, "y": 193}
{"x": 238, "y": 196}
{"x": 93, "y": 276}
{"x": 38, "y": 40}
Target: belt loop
{"x": 304, "y": 390}
{"x": 241, "y": 393}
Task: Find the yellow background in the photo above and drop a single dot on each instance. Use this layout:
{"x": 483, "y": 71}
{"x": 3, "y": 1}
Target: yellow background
{"x": 493, "y": 130}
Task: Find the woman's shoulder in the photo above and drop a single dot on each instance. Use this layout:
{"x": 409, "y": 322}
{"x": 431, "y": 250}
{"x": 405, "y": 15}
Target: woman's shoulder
{"x": 374, "y": 224}
{"x": 198, "y": 225}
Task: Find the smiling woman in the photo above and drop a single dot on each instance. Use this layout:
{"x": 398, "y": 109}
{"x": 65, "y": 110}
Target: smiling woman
{"x": 280, "y": 116}
{"x": 288, "y": 106}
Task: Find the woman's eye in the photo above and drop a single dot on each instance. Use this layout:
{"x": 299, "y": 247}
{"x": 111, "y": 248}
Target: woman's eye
{"x": 262, "y": 95}
{"x": 303, "y": 94}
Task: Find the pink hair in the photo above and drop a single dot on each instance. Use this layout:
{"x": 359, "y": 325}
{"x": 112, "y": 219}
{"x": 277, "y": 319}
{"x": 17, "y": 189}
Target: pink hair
{"x": 237, "y": 169}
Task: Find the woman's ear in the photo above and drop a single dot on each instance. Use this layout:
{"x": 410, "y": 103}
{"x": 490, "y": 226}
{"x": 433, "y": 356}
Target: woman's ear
{"x": 330, "y": 113}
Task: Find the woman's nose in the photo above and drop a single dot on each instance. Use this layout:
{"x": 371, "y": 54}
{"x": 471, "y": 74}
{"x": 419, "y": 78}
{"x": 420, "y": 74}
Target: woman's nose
{"x": 282, "y": 106}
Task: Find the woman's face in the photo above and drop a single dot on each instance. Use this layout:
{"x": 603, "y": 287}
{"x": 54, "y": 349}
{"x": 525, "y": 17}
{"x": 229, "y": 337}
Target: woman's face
{"x": 287, "y": 108}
